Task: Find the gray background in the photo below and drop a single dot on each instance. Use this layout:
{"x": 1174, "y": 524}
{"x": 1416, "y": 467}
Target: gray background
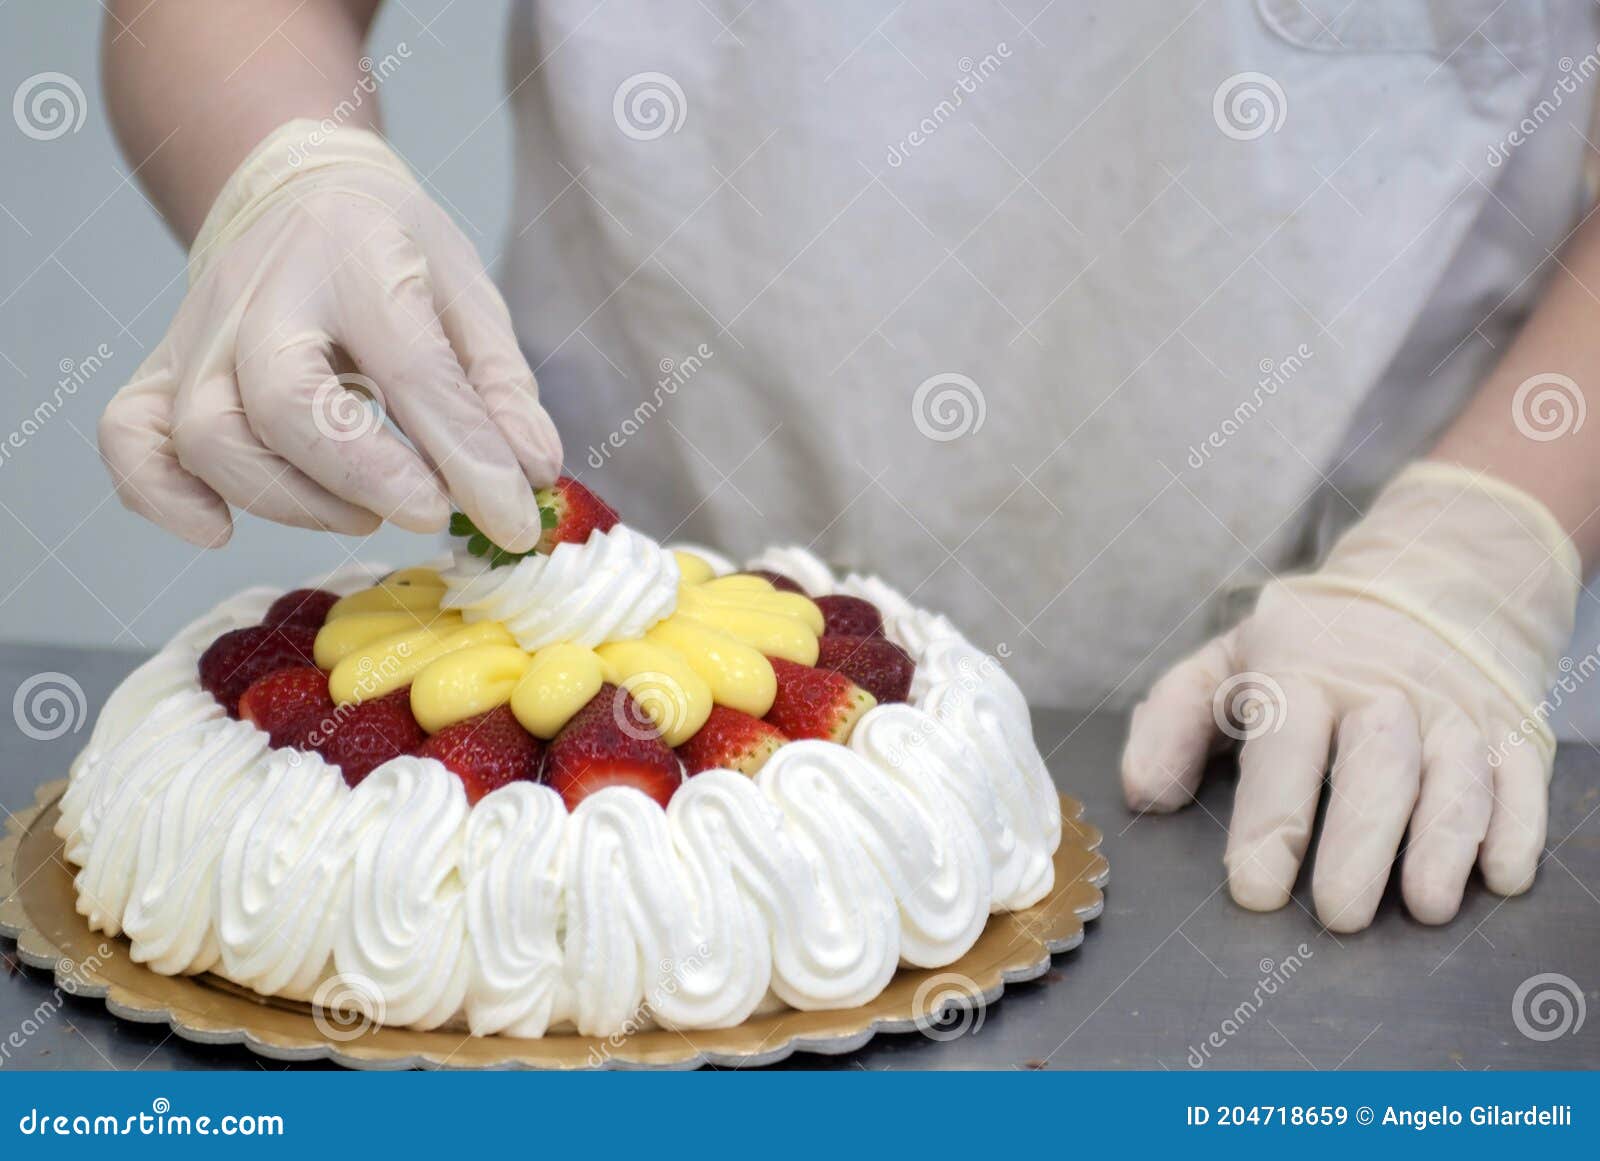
{"x": 86, "y": 260}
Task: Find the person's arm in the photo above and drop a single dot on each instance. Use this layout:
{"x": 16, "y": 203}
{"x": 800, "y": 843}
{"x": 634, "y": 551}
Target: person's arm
{"x": 1420, "y": 652}
{"x": 319, "y": 270}
{"x": 192, "y": 85}
{"x": 1526, "y": 424}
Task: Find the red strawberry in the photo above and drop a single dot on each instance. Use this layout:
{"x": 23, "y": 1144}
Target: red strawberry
{"x": 283, "y": 702}
{"x": 570, "y": 512}
{"x": 232, "y": 663}
{"x": 301, "y": 607}
{"x": 603, "y": 745}
{"x": 487, "y": 752}
{"x": 876, "y": 664}
{"x": 730, "y": 740}
{"x": 365, "y": 736}
{"x": 777, "y": 580}
{"x": 844, "y": 616}
{"x": 816, "y": 703}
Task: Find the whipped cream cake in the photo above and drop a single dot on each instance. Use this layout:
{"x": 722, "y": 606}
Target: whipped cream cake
{"x": 591, "y": 787}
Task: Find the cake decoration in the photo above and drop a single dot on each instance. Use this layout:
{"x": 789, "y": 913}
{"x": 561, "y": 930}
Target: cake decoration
{"x": 602, "y": 781}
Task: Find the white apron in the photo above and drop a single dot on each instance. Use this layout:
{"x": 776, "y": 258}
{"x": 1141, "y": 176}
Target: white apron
{"x": 1067, "y": 322}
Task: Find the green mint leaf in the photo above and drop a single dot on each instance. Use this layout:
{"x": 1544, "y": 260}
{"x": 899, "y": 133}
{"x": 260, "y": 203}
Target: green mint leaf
{"x": 480, "y": 545}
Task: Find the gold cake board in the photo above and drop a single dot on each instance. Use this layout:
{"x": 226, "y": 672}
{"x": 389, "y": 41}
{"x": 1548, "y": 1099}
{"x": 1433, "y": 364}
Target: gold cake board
{"x": 37, "y": 910}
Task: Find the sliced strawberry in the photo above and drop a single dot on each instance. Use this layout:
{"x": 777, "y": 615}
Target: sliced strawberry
{"x": 233, "y": 662}
{"x": 816, "y": 703}
{"x": 876, "y": 664}
{"x": 282, "y": 702}
{"x": 844, "y": 616}
{"x": 301, "y": 607}
{"x": 777, "y": 580}
{"x": 570, "y": 513}
{"x": 363, "y": 737}
{"x": 604, "y": 745}
{"x": 487, "y": 752}
{"x": 730, "y": 740}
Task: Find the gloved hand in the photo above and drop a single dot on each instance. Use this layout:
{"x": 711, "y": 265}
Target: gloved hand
{"x": 1422, "y": 651}
{"x": 324, "y": 267}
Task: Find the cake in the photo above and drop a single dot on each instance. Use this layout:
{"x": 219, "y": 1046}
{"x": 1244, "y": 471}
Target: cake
{"x": 602, "y": 785}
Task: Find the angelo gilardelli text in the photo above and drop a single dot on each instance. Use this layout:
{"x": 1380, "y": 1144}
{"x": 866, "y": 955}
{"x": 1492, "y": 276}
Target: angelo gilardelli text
{"x": 1531, "y": 1116}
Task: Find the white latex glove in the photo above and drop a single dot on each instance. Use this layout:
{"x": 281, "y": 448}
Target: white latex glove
{"x": 1421, "y": 651}
{"x": 323, "y": 264}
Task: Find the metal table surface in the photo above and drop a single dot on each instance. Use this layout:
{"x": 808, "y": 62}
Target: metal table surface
{"x": 1169, "y": 972}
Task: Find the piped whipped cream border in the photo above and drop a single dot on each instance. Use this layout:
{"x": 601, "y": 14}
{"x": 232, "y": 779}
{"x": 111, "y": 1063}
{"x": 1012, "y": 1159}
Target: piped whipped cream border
{"x": 806, "y": 886}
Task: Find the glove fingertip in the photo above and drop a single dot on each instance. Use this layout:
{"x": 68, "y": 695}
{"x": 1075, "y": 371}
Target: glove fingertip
{"x": 542, "y": 470}
{"x": 523, "y": 534}
{"x": 1256, "y": 892}
{"x": 1153, "y": 795}
{"x": 209, "y": 534}
{"x": 1345, "y": 900}
{"x": 1160, "y": 769}
{"x": 1432, "y": 907}
{"x": 1346, "y": 921}
{"x": 187, "y": 509}
{"x": 1509, "y": 874}
{"x": 538, "y": 448}
{"x": 425, "y": 513}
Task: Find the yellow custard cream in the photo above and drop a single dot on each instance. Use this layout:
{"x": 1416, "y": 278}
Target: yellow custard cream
{"x": 693, "y": 570}
{"x": 465, "y": 683}
{"x": 665, "y": 686}
{"x": 338, "y": 639}
{"x": 739, "y": 676}
{"x": 389, "y": 597}
{"x": 392, "y": 662}
{"x": 557, "y": 684}
{"x": 710, "y": 647}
